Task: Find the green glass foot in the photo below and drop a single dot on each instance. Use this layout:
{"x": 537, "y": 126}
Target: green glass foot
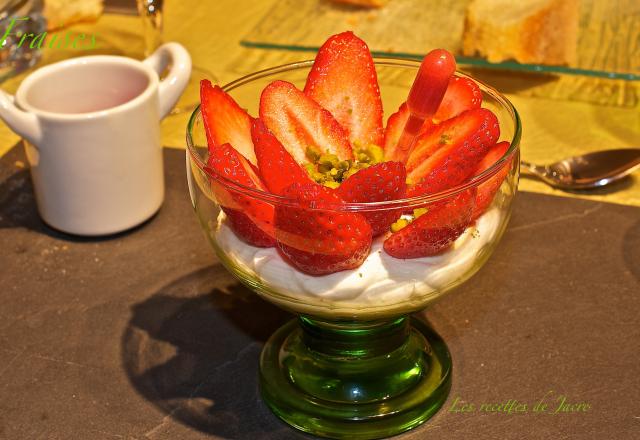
{"x": 355, "y": 380}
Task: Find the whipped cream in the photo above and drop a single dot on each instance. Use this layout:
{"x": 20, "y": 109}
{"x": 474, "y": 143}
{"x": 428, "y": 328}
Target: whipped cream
{"x": 382, "y": 284}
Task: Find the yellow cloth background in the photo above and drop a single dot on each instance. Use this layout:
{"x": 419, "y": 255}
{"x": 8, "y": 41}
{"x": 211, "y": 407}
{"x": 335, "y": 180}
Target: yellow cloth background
{"x": 212, "y": 30}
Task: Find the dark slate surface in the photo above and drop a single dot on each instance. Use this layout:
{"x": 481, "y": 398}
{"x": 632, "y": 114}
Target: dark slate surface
{"x": 145, "y": 336}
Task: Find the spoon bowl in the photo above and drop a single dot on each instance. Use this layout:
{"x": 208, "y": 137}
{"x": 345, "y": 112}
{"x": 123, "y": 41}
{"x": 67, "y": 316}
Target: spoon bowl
{"x": 592, "y": 170}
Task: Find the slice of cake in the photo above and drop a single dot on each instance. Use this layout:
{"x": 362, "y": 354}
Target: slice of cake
{"x": 528, "y": 31}
{"x": 366, "y": 3}
{"x": 61, "y": 13}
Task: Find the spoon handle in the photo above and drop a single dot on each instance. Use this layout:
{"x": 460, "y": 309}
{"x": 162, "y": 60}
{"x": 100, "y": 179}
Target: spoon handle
{"x": 534, "y": 169}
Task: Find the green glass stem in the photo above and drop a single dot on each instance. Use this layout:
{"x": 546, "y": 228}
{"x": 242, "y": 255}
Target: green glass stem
{"x": 356, "y": 380}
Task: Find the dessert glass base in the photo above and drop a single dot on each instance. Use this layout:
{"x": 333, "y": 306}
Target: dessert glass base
{"x": 359, "y": 380}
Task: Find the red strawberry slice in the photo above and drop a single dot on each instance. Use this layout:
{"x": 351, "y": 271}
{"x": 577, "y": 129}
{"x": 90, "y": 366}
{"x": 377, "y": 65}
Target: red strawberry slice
{"x": 277, "y": 167}
{"x": 448, "y": 154}
{"x": 224, "y": 120}
{"x": 343, "y": 80}
{"x": 250, "y": 218}
{"x": 320, "y": 242}
{"x": 245, "y": 228}
{"x": 462, "y": 94}
{"x": 378, "y": 183}
{"x": 299, "y": 122}
{"x": 488, "y": 189}
{"x": 393, "y": 131}
{"x": 435, "y": 231}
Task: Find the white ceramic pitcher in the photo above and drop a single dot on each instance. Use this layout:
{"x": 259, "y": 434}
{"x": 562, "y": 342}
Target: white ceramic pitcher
{"x": 92, "y": 137}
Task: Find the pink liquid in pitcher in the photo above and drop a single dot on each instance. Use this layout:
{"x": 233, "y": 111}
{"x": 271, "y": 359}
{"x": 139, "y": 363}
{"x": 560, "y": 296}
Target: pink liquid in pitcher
{"x": 87, "y": 88}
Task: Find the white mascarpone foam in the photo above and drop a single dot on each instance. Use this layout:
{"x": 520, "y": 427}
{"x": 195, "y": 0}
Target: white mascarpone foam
{"x": 381, "y": 281}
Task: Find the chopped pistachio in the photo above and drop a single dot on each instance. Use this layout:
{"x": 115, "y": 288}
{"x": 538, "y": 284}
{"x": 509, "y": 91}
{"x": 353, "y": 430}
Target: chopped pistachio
{"x": 376, "y": 153}
{"x": 354, "y": 169}
{"x": 327, "y": 161}
{"x": 406, "y": 219}
{"x": 310, "y": 168}
{"x": 368, "y": 154}
{"x": 350, "y": 172}
{"x": 327, "y": 169}
{"x": 445, "y": 139}
{"x": 399, "y": 224}
{"x": 313, "y": 153}
{"x": 419, "y": 212}
{"x": 331, "y": 184}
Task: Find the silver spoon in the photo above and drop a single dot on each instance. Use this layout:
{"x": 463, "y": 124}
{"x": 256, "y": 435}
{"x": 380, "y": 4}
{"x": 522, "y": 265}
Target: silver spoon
{"x": 592, "y": 170}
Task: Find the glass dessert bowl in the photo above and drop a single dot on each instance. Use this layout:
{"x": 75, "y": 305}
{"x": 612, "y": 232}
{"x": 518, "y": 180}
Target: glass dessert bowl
{"x": 354, "y": 363}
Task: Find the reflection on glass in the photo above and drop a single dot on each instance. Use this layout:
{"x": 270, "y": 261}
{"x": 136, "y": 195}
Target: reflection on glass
{"x": 17, "y": 19}
{"x": 151, "y": 13}
{"x": 152, "y": 21}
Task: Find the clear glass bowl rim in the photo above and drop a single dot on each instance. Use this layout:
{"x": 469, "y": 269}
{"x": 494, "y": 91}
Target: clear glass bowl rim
{"x": 364, "y": 206}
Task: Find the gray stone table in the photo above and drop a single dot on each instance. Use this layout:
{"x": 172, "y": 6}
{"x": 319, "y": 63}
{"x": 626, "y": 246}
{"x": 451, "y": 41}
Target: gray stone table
{"x": 145, "y": 336}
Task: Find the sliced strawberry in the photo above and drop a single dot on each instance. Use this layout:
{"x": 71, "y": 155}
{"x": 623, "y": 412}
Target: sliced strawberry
{"x": 247, "y": 230}
{"x": 276, "y": 166}
{"x": 299, "y": 122}
{"x": 378, "y": 183}
{"x": 462, "y": 94}
{"x": 343, "y": 80}
{"x": 448, "y": 154}
{"x": 488, "y": 189}
{"x": 224, "y": 120}
{"x": 320, "y": 242}
{"x": 250, "y": 218}
{"x": 393, "y": 131}
{"x": 395, "y": 127}
{"x": 435, "y": 231}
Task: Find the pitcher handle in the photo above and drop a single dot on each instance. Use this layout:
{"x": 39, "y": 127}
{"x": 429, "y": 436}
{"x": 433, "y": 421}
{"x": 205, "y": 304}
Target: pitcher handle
{"x": 22, "y": 123}
{"x": 176, "y": 81}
